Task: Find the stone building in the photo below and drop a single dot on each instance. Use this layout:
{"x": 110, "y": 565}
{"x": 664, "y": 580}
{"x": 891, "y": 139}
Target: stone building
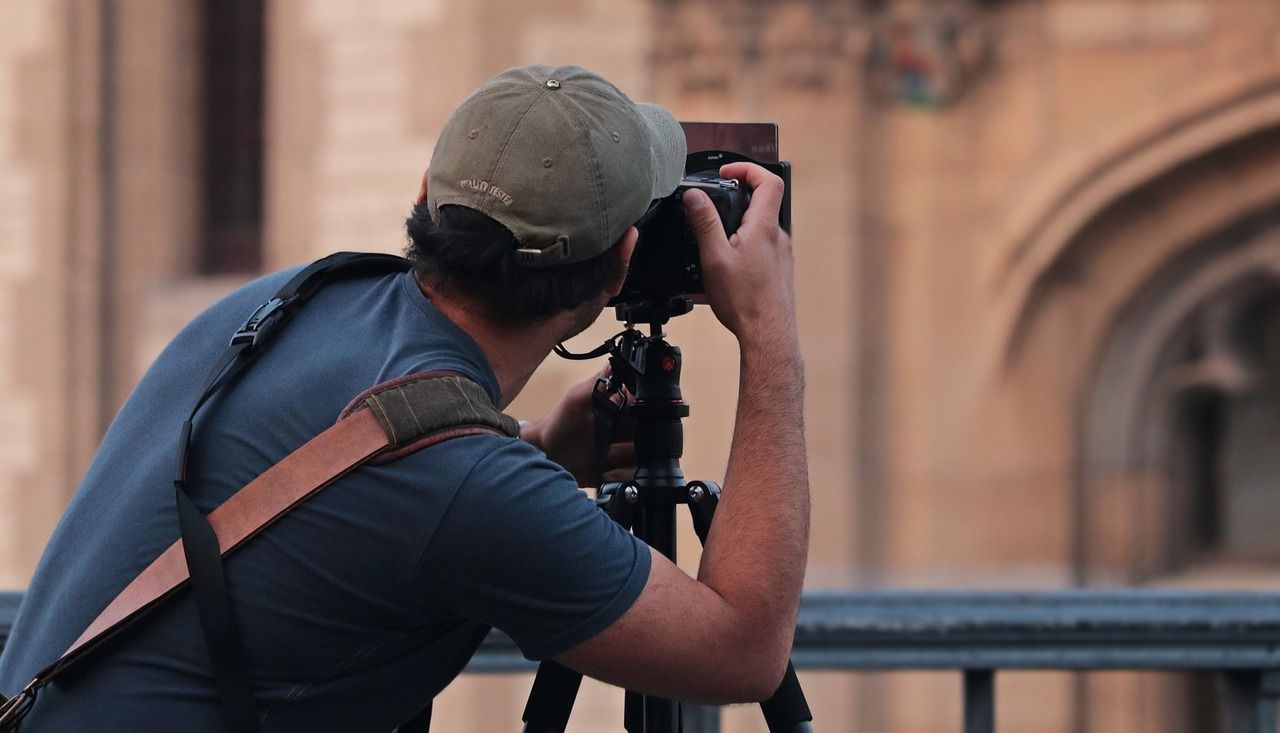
{"x": 1038, "y": 251}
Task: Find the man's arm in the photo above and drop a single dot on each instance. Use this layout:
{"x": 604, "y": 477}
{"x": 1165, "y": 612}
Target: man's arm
{"x": 726, "y": 636}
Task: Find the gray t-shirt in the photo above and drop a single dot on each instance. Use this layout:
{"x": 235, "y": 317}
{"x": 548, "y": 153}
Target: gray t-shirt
{"x": 356, "y": 607}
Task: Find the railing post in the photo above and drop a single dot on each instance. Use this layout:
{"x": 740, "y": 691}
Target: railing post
{"x": 1249, "y": 701}
{"x": 979, "y": 701}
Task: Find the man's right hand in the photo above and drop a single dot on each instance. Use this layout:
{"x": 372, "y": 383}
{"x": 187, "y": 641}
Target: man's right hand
{"x": 726, "y": 636}
{"x": 749, "y": 277}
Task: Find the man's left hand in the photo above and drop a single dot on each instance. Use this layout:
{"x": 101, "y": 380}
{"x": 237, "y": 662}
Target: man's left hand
{"x": 567, "y": 435}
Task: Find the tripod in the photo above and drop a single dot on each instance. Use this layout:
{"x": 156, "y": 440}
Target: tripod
{"x": 649, "y": 368}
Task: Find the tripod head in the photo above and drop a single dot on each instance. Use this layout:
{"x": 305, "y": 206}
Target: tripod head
{"x": 654, "y": 312}
{"x": 648, "y": 369}
{"x": 647, "y": 366}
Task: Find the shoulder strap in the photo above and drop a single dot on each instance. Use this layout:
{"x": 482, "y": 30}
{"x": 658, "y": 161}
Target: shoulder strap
{"x": 386, "y": 422}
{"x": 200, "y": 548}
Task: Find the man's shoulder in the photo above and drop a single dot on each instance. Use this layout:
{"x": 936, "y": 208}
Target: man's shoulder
{"x": 489, "y": 474}
{"x": 483, "y": 458}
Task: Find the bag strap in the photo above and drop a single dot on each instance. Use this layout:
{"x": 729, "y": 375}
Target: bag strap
{"x": 383, "y": 423}
{"x": 386, "y": 421}
{"x": 200, "y": 547}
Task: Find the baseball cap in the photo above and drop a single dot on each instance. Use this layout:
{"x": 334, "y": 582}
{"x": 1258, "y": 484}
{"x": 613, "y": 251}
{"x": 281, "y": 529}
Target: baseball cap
{"x": 558, "y": 156}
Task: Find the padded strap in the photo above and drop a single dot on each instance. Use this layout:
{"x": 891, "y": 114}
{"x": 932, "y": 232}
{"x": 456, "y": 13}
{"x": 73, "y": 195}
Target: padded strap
{"x": 427, "y": 407}
{"x": 387, "y": 421}
{"x": 288, "y": 483}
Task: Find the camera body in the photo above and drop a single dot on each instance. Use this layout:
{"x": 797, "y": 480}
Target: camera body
{"x": 666, "y": 266}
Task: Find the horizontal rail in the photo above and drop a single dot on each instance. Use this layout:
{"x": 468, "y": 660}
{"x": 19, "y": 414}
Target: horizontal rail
{"x": 1065, "y": 630}
{"x": 1068, "y": 630}
{"x": 1234, "y": 634}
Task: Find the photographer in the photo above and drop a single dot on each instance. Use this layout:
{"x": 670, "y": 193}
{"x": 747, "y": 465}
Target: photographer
{"x": 361, "y": 604}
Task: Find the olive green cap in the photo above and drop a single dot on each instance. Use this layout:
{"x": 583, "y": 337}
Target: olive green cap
{"x": 558, "y": 156}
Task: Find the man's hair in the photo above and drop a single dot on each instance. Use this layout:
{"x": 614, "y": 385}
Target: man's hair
{"x": 469, "y": 253}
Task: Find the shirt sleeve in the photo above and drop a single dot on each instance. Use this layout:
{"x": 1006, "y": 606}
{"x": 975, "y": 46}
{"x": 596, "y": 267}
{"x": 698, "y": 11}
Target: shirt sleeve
{"x": 523, "y": 550}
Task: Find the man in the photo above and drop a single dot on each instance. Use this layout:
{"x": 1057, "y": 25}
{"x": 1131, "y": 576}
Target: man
{"x": 361, "y": 604}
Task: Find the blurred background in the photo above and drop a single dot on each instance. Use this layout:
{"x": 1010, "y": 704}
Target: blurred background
{"x": 1037, "y": 242}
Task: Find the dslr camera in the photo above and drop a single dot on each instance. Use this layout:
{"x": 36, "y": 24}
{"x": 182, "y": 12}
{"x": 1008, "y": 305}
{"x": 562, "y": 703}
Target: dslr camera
{"x": 665, "y": 277}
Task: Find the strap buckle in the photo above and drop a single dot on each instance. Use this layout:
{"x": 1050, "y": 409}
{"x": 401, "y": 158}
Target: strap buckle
{"x": 259, "y": 323}
{"x": 13, "y": 710}
{"x": 608, "y": 400}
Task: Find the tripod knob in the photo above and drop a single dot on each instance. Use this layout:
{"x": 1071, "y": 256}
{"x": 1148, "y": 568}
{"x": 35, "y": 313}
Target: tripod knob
{"x": 700, "y": 490}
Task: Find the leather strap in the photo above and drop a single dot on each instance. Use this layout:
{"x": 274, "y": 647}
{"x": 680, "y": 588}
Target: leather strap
{"x": 361, "y": 434}
{"x": 294, "y": 479}
{"x": 394, "y": 418}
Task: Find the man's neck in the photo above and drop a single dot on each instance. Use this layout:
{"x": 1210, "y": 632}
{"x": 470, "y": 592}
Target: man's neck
{"x": 514, "y": 352}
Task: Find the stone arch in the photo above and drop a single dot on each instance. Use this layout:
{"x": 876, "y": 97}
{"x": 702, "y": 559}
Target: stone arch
{"x": 1068, "y": 196}
{"x": 1126, "y": 414}
{"x": 1105, "y": 273}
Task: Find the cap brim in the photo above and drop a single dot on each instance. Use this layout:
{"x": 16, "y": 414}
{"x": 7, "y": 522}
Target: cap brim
{"x": 667, "y": 147}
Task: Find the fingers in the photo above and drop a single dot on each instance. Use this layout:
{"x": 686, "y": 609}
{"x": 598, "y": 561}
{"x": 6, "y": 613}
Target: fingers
{"x": 766, "y": 191}
{"x": 621, "y": 455}
{"x": 619, "y": 475}
{"x": 621, "y": 463}
{"x": 705, "y": 223}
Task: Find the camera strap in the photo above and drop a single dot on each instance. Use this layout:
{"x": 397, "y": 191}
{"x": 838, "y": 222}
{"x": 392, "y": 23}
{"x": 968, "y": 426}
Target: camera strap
{"x": 386, "y": 422}
{"x": 608, "y": 396}
{"x": 608, "y": 402}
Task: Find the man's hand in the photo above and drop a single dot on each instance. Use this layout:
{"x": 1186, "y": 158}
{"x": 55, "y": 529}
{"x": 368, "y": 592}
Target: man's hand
{"x": 726, "y": 636}
{"x": 749, "y": 277}
{"x": 567, "y": 435}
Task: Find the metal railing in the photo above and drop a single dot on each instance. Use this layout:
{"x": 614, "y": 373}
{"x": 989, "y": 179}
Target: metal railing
{"x": 1236, "y": 635}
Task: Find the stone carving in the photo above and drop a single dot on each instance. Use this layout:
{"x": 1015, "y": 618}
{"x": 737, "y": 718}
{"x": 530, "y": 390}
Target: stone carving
{"x": 922, "y": 54}
{"x": 805, "y": 46}
{"x": 698, "y": 42}
{"x": 927, "y": 56}
{"x": 709, "y": 46}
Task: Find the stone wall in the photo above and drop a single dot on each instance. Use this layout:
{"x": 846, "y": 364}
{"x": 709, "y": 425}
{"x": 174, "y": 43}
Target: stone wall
{"x": 33, "y": 253}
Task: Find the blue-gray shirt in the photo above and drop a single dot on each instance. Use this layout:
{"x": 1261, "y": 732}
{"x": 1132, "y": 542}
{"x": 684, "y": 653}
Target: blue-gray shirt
{"x": 358, "y": 606}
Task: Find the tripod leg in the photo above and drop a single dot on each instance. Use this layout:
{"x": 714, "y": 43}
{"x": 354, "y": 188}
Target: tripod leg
{"x": 642, "y": 714}
{"x": 555, "y": 687}
{"x": 787, "y": 711}
{"x": 633, "y": 713}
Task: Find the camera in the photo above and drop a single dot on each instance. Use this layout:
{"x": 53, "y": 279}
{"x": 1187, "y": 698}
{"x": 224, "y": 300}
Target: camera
{"x": 666, "y": 266}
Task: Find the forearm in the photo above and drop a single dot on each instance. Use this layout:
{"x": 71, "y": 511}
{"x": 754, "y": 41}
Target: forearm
{"x": 757, "y": 548}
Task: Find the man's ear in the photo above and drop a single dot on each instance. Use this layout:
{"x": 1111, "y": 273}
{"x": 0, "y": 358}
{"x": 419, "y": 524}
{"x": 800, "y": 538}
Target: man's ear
{"x": 422, "y": 190}
{"x": 623, "y": 251}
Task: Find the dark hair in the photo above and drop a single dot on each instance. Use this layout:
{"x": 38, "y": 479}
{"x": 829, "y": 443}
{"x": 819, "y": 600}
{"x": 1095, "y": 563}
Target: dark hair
{"x": 468, "y": 252}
